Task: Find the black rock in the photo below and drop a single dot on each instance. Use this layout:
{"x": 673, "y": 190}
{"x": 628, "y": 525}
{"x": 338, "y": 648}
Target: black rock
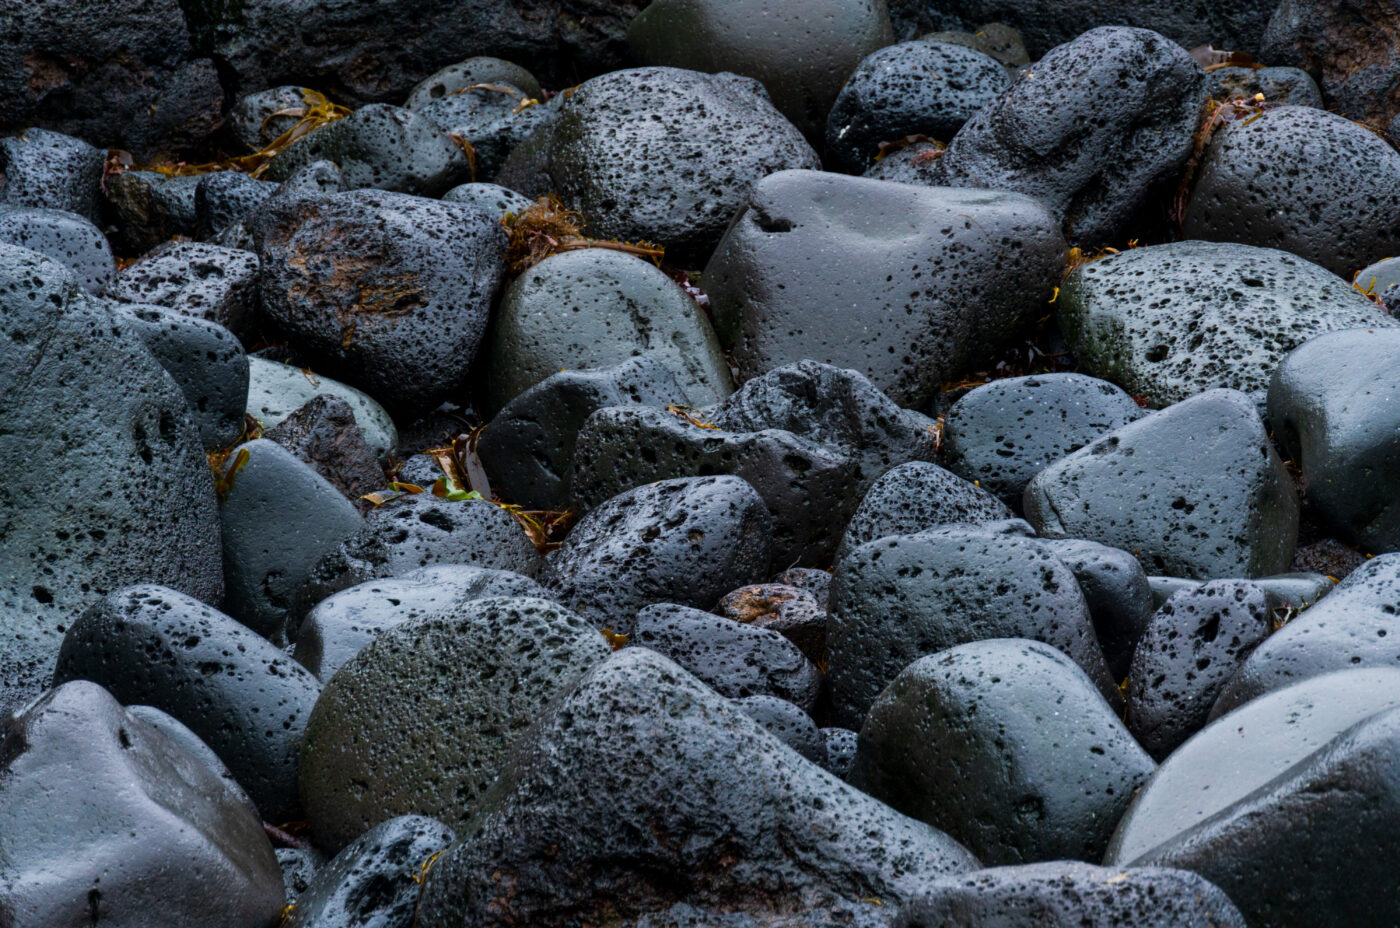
{"x": 323, "y": 433}
{"x": 276, "y": 390}
{"x": 787, "y": 723}
{"x": 299, "y": 866}
{"x": 840, "y": 750}
{"x": 492, "y": 118}
{"x": 1285, "y": 86}
{"x": 259, "y": 118}
{"x": 222, "y": 199}
{"x": 917, "y": 496}
{"x": 51, "y": 170}
{"x": 196, "y": 279}
{"x": 464, "y": 74}
{"x": 1117, "y": 591}
{"x": 795, "y": 613}
{"x": 493, "y": 198}
{"x": 150, "y": 208}
{"x": 526, "y": 168}
{"x": 808, "y": 580}
{"x": 68, "y": 238}
{"x": 998, "y": 40}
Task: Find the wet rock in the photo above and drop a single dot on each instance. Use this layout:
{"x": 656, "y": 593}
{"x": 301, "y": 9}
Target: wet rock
{"x": 913, "y": 88}
{"x": 1117, "y": 591}
{"x": 910, "y": 164}
{"x": 787, "y": 723}
{"x": 299, "y": 866}
{"x": 110, "y": 820}
{"x": 1382, "y": 279}
{"x": 840, "y": 746}
{"x": 388, "y": 290}
{"x": 897, "y": 599}
{"x": 492, "y": 198}
{"x": 275, "y": 391}
{"x": 150, "y": 208}
{"x": 1195, "y": 490}
{"x": 1285, "y": 86}
{"x": 464, "y": 74}
{"x": 196, "y": 279}
{"x": 68, "y": 238}
{"x": 526, "y": 168}
{"x": 1050, "y": 137}
{"x": 51, "y": 170}
{"x": 809, "y": 580}
{"x": 222, "y": 199}
{"x": 842, "y": 270}
{"x": 492, "y": 118}
{"x": 612, "y": 780}
{"x": 914, "y": 497}
{"x": 1006, "y": 745}
{"x": 668, "y": 155}
{"x": 686, "y": 541}
{"x": 997, "y": 40}
{"x": 323, "y": 433}
{"x": 796, "y": 614}
{"x": 421, "y": 720}
{"x": 254, "y": 120}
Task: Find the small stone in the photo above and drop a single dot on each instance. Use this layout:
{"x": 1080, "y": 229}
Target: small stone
{"x": 254, "y": 122}
{"x": 275, "y": 391}
{"x": 222, "y": 199}
{"x": 51, "y": 170}
{"x": 917, "y": 496}
{"x": 479, "y": 70}
{"x": 796, "y": 614}
{"x": 492, "y": 198}
{"x": 1117, "y": 591}
{"x": 786, "y": 723}
{"x": 151, "y": 208}
{"x": 492, "y": 118}
{"x": 68, "y": 238}
{"x": 1280, "y": 86}
{"x": 323, "y": 433}
{"x": 196, "y": 279}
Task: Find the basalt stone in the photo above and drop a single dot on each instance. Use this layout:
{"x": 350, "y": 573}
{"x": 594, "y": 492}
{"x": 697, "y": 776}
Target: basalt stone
{"x": 246, "y": 699}
{"x": 197, "y": 279}
{"x": 642, "y": 790}
{"x": 280, "y": 518}
{"x": 796, "y": 614}
{"x": 1188, "y": 653}
{"x": 68, "y": 238}
{"x": 1049, "y": 136}
{"x": 1006, "y": 745}
{"x": 275, "y": 391}
{"x": 800, "y": 55}
{"x": 526, "y": 168}
{"x": 492, "y": 118}
{"x": 918, "y": 496}
{"x": 464, "y": 74}
{"x": 151, "y": 208}
{"x": 83, "y": 401}
{"x": 1288, "y": 804}
{"x": 497, "y": 200}
{"x": 1332, "y": 406}
{"x": 1297, "y": 591}
{"x": 323, "y": 433}
{"x": 223, "y": 198}
{"x": 1268, "y": 183}
{"x": 1195, "y": 490}
{"x": 374, "y": 881}
{"x": 421, "y": 720}
{"x": 1117, "y": 591}
{"x": 254, "y": 120}
{"x": 109, "y": 820}
{"x": 1382, "y": 279}
{"x": 597, "y": 308}
{"x": 528, "y": 447}
{"x": 909, "y": 164}
{"x": 204, "y": 359}
{"x": 318, "y": 177}
{"x": 809, "y": 580}
{"x": 787, "y": 723}
{"x": 906, "y": 286}
{"x": 299, "y": 866}
{"x": 389, "y": 290}
{"x": 1285, "y": 86}
{"x": 734, "y": 659}
{"x": 51, "y": 170}
{"x": 997, "y": 40}
{"x": 686, "y": 541}
{"x": 340, "y": 626}
{"x": 897, "y": 599}
{"x": 1003, "y": 433}
{"x": 840, "y": 746}
{"x": 1069, "y": 894}
{"x": 669, "y": 155}
{"x": 178, "y": 732}
{"x": 913, "y": 88}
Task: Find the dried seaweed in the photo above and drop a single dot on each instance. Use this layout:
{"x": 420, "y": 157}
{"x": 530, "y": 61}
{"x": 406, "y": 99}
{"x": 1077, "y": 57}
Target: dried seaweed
{"x": 548, "y": 227}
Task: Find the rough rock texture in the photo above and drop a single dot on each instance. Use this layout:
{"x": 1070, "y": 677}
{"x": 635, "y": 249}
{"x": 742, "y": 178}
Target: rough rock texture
{"x": 917, "y": 496}
{"x": 493, "y": 198}
{"x": 323, "y": 433}
{"x": 1287, "y": 86}
{"x": 68, "y": 238}
{"x": 150, "y": 208}
{"x": 223, "y": 198}
{"x": 493, "y": 119}
{"x": 276, "y": 390}
{"x": 51, "y": 170}
{"x": 196, "y": 279}
{"x": 479, "y": 69}
{"x": 795, "y": 613}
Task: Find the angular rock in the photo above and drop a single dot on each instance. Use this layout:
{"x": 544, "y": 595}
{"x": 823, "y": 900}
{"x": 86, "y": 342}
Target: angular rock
{"x": 917, "y": 496}
{"x": 68, "y": 238}
{"x": 323, "y": 433}
{"x": 493, "y": 118}
{"x": 150, "y": 208}
{"x": 1117, "y": 591}
{"x": 464, "y": 74}
{"x": 275, "y": 391}
{"x": 196, "y": 279}
{"x": 51, "y": 170}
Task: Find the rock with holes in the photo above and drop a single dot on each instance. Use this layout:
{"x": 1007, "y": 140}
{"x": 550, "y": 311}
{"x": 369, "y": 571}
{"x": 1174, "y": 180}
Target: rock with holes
{"x": 526, "y": 168}
{"x": 840, "y": 744}
{"x": 374, "y": 881}
{"x": 239, "y": 693}
{"x": 259, "y": 118}
{"x": 422, "y": 720}
{"x": 917, "y": 496}
{"x": 597, "y": 308}
{"x": 1117, "y": 591}
{"x": 276, "y": 390}
{"x": 1188, "y": 653}
{"x": 497, "y": 200}
{"x": 913, "y": 88}
{"x": 668, "y": 155}
{"x": 150, "y": 208}
{"x": 1289, "y": 804}
{"x": 1302, "y": 180}
{"x": 340, "y": 626}
{"x": 787, "y": 723}
{"x": 687, "y": 541}
{"x": 1003, "y": 433}
{"x": 734, "y": 659}
{"x": 387, "y": 290}
{"x": 795, "y": 613}
{"x": 643, "y": 770}
{"x": 1382, "y": 279}
{"x": 68, "y": 238}
{"x": 1050, "y": 137}
{"x": 491, "y": 118}
{"x": 897, "y": 599}
{"x": 458, "y": 77}
{"x": 222, "y": 199}
{"x": 1280, "y": 86}
{"x": 196, "y": 279}
{"x": 51, "y": 170}
{"x": 109, "y": 820}
{"x": 1070, "y": 894}
{"x": 83, "y": 403}
{"x": 1195, "y": 490}
{"x": 1006, "y": 745}
{"x": 323, "y": 433}
{"x": 904, "y": 285}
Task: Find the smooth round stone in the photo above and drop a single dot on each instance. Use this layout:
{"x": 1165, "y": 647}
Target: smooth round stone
{"x": 275, "y": 391}
{"x": 917, "y": 496}
{"x": 479, "y": 70}
{"x": 493, "y": 198}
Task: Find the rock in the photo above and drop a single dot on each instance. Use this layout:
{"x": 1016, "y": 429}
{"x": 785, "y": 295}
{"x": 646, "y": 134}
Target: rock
{"x": 280, "y": 518}
{"x": 249, "y": 702}
{"x": 841, "y": 270}
{"x": 917, "y": 496}
{"x": 423, "y": 718}
{"x": 1195, "y": 490}
{"x": 913, "y": 88}
{"x": 840, "y": 746}
{"x": 1049, "y": 136}
{"x": 1287, "y": 804}
{"x": 464, "y": 74}
{"x": 374, "y": 881}
{"x": 910, "y": 164}
{"x": 668, "y": 155}
{"x": 68, "y": 238}
{"x": 1382, "y": 279}
{"x": 108, "y": 483}
{"x": 275, "y": 391}
{"x": 383, "y": 147}
{"x": 732, "y": 658}
{"x": 299, "y": 866}
{"x": 794, "y": 613}
{"x": 222, "y": 199}
{"x": 51, "y": 170}
{"x": 151, "y": 208}
{"x": 1187, "y": 654}
{"x": 178, "y": 732}
{"x": 1006, "y": 745}
{"x": 897, "y": 599}
{"x": 196, "y": 279}
{"x": 206, "y": 362}
{"x": 388, "y": 290}
{"x": 254, "y": 119}
{"x": 528, "y": 447}
{"x": 686, "y": 541}
{"x": 1117, "y": 591}
{"x": 1069, "y": 894}
{"x": 492, "y": 118}
{"x": 110, "y": 820}
{"x": 1267, "y": 183}
{"x": 341, "y": 625}
{"x": 809, "y": 580}
{"x": 787, "y": 723}
{"x": 997, "y": 40}
{"x": 323, "y": 433}
{"x": 1295, "y": 590}
{"x": 1285, "y": 86}
{"x": 1331, "y": 407}
{"x": 641, "y": 769}
{"x": 1003, "y": 433}
{"x": 801, "y": 56}
{"x": 492, "y": 198}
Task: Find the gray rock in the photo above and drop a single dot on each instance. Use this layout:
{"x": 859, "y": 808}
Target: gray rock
{"x": 795, "y": 613}
{"x": 151, "y": 208}
{"x": 421, "y": 720}
{"x": 526, "y": 168}
{"x": 196, "y": 279}
{"x": 68, "y": 238}
{"x": 998, "y": 40}
{"x": 178, "y": 732}
{"x": 1195, "y": 490}
{"x": 1117, "y": 591}
{"x": 323, "y": 433}
{"x": 275, "y": 391}
{"x": 840, "y": 746}
{"x": 492, "y": 198}
{"x": 223, "y": 198}
{"x": 917, "y": 496}
{"x": 51, "y": 170}
{"x": 492, "y": 118}
{"x": 479, "y": 70}
{"x": 787, "y": 723}
{"x": 1382, "y": 279}
{"x": 299, "y": 866}
{"x": 906, "y": 286}
{"x": 254, "y": 119}
{"x": 1285, "y": 86}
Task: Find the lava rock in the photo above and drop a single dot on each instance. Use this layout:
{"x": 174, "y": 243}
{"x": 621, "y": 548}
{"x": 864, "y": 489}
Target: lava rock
{"x": 1280, "y": 86}
{"x": 299, "y": 866}
{"x": 51, "y": 170}
{"x": 1195, "y": 490}
{"x": 151, "y": 208}
{"x": 196, "y": 279}
{"x": 259, "y": 118}
{"x": 464, "y": 74}
{"x": 1117, "y": 591}
{"x": 275, "y": 391}
{"x": 323, "y": 433}
{"x": 1382, "y": 279}
{"x": 491, "y": 118}
{"x": 794, "y": 613}
{"x": 222, "y": 199}
{"x": 996, "y": 40}
{"x": 787, "y": 723}
{"x": 492, "y": 198}
{"x": 917, "y": 496}
{"x": 68, "y": 238}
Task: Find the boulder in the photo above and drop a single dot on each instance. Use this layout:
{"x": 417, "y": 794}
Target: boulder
{"x": 276, "y": 391}
{"x": 196, "y": 279}
{"x": 51, "y": 170}
{"x": 70, "y": 239}
{"x": 917, "y": 496}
